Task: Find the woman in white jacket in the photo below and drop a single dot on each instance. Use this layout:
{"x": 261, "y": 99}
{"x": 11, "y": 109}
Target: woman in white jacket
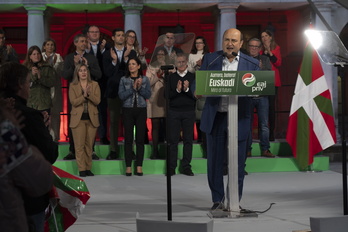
{"x": 56, "y": 61}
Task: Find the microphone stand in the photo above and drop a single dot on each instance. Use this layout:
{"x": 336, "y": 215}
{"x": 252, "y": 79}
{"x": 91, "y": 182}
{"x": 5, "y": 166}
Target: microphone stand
{"x": 166, "y": 69}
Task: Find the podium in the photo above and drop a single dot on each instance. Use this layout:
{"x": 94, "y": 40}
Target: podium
{"x": 234, "y": 84}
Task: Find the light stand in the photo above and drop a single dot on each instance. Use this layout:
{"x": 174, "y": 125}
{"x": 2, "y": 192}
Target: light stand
{"x": 334, "y": 53}
{"x": 166, "y": 69}
{"x": 184, "y": 44}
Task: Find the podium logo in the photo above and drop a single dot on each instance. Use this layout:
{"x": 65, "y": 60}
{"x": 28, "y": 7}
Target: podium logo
{"x": 248, "y": 79}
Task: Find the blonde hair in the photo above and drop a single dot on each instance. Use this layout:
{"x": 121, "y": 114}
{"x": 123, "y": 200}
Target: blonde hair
{"x": 76, "y": 78}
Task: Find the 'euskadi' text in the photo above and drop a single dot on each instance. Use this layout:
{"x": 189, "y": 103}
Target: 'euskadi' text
{"x": 221, "y": 82}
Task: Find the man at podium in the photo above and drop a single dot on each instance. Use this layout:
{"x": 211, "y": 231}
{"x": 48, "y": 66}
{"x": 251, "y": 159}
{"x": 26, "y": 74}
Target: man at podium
{"x": 214, "y": 115}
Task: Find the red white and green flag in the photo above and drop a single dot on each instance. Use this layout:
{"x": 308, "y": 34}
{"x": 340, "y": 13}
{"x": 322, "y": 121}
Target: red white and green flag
{"x": 67, "y": 201}
{"x": 311, "y": 127}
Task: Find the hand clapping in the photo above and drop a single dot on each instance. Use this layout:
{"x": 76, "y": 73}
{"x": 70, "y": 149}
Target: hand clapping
{"x": 102, "y": 45}
{"x": 186, "y": 85}
{"x": 36, "y": 71}
{"x": 137, "y": 83}
{"x": 113, "y": 56}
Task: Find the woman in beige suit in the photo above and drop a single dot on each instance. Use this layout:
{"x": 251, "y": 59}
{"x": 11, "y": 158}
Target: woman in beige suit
{"x": 84, "y": 95}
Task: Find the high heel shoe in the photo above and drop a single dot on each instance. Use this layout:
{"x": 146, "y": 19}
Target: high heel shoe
{"x": 128, "y": 171}
{"x": 139, "y": 171}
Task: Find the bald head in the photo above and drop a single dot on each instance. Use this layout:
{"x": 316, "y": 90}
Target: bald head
{"x": 233, "y": 30}
{"x": 232, "y": 41}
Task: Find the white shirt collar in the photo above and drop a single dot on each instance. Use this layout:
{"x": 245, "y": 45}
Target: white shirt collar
{"x": 230, "y": 66}
{"x": 183, "y": 73}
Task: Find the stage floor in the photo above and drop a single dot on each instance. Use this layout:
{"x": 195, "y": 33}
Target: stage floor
{"x": 116, "y": 199}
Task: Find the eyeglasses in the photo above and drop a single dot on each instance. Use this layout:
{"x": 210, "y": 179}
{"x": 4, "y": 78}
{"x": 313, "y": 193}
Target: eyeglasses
{"x": 253, "y": 46}
{"x": 199, "y": 43}
{"x": 132, "y": 37}
{"x": 94, "y": 32}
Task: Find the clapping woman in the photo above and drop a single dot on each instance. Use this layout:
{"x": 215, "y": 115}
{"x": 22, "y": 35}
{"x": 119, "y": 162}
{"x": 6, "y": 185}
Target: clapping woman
{"x": 134, "y": 89}
{"x": 42, "y": 77}
{"x": 133, "y": 44}
{"x": 272, "y": 50}
{"x": 199, "y": 48}
{"x": 156, "y": 105}
{"x": 56, "y": 61}
{"x": 84, "y": 96}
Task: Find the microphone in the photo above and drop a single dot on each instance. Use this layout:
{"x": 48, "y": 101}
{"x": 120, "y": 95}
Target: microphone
{"x": 223, "y": 54}
{"x": 236, "y": 54}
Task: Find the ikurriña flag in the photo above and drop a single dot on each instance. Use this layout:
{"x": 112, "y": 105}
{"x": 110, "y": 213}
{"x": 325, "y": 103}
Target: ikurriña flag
{"x": 67, "y": 201}
{"x": 311, "y": 127}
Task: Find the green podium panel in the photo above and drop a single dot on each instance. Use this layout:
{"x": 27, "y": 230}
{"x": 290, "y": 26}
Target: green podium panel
{"x": 235, "y": 82}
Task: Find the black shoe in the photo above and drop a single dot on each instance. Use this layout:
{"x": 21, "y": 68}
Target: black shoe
{"x": 171, "y": 172}
{"x": 128, "y": 174}
{"x": 83, "y": 174}
{"x": 188, "y": 172}
{"x": 104, "y": 141}
{"x": 70, "y": 156}
{"x": 112, "y": 155}
{"x": 89, "y": 173}
{"x": 139, "y": 173}
{"x": 94, "y": 156}
{"x": 218, "y": 205}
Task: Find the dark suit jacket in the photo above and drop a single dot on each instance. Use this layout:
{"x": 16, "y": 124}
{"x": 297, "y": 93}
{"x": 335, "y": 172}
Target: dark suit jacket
{"x": 69, "y": 66}
{"x": 115, "y": 72}
{"x": 213, "y": 61}
{"x": 103, "y": 80}
{"x": 6, "y": 56}
{"x": 99, "y": 55}
{"x": 266, "y": 63}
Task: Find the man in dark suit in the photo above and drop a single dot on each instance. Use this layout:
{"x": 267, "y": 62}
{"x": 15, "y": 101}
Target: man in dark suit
{"x": 214, "y": 115}
{"x": 114, "y": 63}
{"x": 71, "y": 60}
{"x": 97, "y": 47}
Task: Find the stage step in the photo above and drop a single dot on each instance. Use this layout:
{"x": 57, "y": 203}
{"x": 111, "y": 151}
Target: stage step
{"x": 284, "y": 162}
